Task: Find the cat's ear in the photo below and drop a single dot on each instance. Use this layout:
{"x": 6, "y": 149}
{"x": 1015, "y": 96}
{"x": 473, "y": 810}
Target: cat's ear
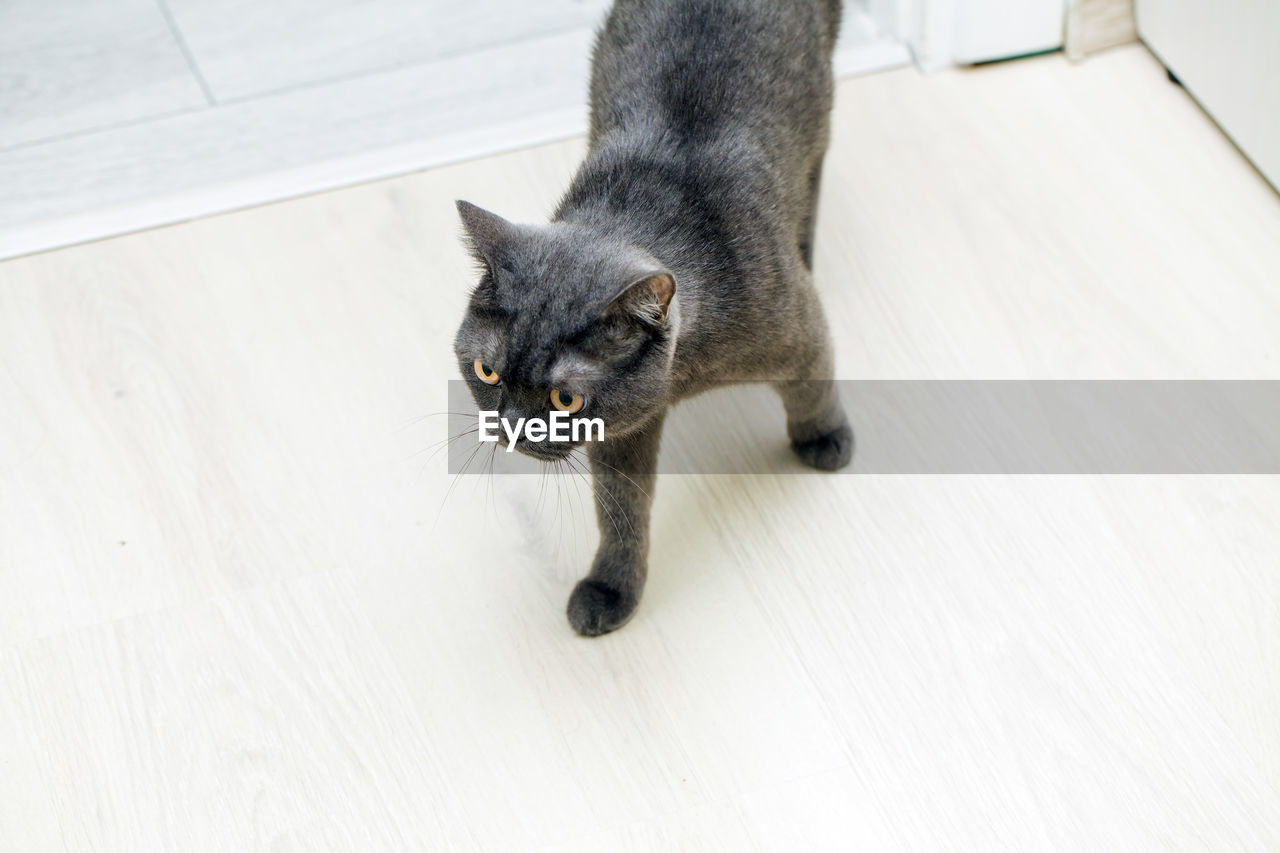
{"x": 647, "y": 300}
{"x": 489, "y": 234}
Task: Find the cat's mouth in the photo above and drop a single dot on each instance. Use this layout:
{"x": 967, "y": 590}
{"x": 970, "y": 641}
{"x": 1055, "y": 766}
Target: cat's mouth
{"x": 547, "y": 452}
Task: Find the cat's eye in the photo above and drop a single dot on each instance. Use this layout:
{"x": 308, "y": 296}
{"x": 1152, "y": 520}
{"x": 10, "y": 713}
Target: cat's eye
{"x": 485, "y": 373}
{"x": 562, "y": 402}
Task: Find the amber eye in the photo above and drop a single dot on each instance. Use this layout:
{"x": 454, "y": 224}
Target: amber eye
{"x": 571, "y": 403}
{"x": 485, "y": 373}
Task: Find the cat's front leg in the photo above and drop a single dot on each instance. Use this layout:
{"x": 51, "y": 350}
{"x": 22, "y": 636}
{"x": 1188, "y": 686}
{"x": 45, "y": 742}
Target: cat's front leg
{"x": 623, "y": 472}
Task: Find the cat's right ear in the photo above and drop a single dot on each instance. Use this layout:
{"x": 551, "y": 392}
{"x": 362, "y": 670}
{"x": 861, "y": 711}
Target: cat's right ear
{"x": 489, "y": 234}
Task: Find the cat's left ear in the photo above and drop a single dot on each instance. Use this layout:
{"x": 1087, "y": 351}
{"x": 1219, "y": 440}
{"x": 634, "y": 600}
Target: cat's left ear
{"x": 490, "y": 234}
{"x": 647, "y": 300}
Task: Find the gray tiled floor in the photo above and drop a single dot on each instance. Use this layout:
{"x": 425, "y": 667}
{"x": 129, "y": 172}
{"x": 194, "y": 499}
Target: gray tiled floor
{"x": 68, "y": 66}
{"x": 276, "y": 133}
{"x": 248, "y": 47}
{"x": 117, "y": 115}
{"x": 74, "y": 66}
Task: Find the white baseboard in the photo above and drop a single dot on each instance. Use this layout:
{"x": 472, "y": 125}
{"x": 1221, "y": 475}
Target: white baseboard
{"x": 236, "y": 194}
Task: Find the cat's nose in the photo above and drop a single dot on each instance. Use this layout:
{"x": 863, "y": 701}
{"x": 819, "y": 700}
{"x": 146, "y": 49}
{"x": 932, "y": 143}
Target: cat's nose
{"x": 512, "y": 413}
{"x": 514, "y": 406}
{"x": 508, "y": 412}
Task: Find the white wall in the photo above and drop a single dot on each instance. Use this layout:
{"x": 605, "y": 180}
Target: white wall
{"x": 1227, "y": 54}
{"x": 961, "y": 32}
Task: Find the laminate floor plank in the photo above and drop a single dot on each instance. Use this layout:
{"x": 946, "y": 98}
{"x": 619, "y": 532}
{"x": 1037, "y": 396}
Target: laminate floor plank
{"x": 314, "y": 637}
{"x": 259, "y": 720}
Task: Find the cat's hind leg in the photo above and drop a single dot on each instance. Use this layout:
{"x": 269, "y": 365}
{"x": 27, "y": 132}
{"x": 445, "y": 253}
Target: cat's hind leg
{"x": 808, "y": 225}
{"x": 816, "y": 421}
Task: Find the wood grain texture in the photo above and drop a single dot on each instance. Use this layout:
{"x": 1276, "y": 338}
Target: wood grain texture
{"x": 28, "y": 818}
{"x": 263, "y": 720}
{"x": 314, "y": 638}
{"x": 69, "y": 66}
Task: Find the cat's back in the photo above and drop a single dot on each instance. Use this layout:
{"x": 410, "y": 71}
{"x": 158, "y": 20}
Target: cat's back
{"x": 697, "y": 68}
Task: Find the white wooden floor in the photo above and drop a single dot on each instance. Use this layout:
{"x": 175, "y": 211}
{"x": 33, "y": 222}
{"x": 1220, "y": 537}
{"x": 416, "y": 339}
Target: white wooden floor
{"x": 238, "y": 613}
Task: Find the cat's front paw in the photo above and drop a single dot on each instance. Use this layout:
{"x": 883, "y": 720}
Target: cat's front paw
{"x": 597, "y": 608}
{"x": 829, "y": 452}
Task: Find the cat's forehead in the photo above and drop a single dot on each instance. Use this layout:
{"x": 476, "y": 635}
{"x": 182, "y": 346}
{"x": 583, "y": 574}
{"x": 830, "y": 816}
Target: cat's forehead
{"x": 562, "y": 264}
{"x": 537, "y": 347}
{"x": 484, "y": 338}
{"x": 549, "y": 280}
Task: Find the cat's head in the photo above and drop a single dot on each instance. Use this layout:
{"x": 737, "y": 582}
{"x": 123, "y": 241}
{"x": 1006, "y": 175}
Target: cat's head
{"x": 565, "y": 318}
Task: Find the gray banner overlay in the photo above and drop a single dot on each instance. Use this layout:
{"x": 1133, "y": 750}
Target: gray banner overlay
{"x": 957, "y": 427}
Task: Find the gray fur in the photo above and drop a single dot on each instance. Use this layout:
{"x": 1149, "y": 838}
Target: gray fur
{"x": 709, "y": 121}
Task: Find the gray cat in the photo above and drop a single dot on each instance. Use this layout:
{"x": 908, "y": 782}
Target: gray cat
{"x": 678, "y": 259}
